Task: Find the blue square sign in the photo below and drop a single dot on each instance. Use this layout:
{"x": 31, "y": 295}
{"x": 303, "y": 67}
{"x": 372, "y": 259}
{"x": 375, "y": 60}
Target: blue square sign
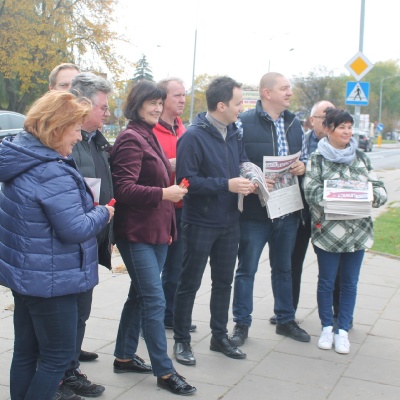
{"x": 357, "y": 93}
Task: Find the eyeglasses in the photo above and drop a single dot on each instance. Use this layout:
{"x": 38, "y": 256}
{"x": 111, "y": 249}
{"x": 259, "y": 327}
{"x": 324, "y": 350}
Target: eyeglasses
{"x": 105, "y": 109}
{"x": 318, "y": 116}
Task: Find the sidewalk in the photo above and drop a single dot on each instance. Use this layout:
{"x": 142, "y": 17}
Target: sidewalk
{"x": 276, "y": 367}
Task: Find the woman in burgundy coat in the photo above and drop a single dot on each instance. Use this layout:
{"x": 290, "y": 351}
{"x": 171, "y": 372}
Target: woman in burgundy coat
{"x": 144, "y": 225}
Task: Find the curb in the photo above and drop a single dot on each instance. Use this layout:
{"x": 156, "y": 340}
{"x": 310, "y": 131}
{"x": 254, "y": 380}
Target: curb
{"x": 378, "y": 253}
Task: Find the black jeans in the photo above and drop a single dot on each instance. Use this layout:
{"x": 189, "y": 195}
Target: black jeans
{"x": 298, "y": 256}
{"x": 172, "y": 270}
{"x": 200, "y": 243}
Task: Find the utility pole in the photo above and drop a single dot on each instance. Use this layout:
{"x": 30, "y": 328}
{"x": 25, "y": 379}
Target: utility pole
{"x": 357, "y": 109}
{"x": 194, "y": 66}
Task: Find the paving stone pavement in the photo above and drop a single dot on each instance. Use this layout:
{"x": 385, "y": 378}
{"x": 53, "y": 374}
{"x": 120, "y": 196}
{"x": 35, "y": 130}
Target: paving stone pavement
{"x": 276, "y": 367}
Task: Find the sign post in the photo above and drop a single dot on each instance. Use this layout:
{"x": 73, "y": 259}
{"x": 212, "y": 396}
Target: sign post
{"x": 118, "y": 114}
{"x": 380, "y": 127}
{"x": 358, "y": 66}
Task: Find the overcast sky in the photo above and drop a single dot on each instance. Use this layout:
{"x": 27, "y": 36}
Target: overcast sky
{"x": 294, "y": 37}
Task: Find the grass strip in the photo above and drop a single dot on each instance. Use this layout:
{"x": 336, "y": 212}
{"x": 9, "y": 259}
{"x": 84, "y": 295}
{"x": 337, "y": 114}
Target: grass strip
{"x": 387, "y": 232}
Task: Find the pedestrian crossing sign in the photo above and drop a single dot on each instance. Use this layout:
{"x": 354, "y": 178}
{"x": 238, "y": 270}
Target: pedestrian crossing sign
{"x": 357, "y": 93}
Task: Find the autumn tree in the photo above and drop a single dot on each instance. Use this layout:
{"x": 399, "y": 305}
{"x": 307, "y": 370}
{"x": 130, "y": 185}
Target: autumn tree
{"x": 35, "y": 36}
{"x": 321, "y": 84}
{"x": 318, "y": 85}
{"x": 387, "y": 74}
{"x": 143, "y": 71}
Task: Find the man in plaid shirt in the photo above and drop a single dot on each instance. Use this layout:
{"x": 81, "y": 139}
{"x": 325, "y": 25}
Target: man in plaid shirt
{"x": 269, "y": 130}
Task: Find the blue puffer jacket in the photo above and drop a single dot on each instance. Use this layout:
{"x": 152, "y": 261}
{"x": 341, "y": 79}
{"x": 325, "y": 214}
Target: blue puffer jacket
{"x": 208, "y": 162}
{"x": 48, "y": 223}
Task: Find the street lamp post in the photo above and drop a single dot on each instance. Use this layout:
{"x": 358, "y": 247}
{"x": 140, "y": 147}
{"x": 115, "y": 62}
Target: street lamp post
{"x": 270, "y": 50}
{"x": 193, "y": 71}
{"x": 380, "y": 95}
{"x": 269, "y": 60}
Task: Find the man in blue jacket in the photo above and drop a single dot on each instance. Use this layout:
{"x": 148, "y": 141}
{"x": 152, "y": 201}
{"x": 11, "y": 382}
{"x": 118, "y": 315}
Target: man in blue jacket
{"x": 269, "y": 130}
{"x": 208, "y": 156}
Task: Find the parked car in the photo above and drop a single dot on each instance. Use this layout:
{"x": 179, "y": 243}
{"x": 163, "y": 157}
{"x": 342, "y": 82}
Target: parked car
{"x": 365, "y": 142}
{"x": 10, "y": 123}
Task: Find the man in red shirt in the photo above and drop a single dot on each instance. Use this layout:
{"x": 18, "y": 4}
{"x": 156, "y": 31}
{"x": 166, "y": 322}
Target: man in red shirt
{"x": 168, "y": 130}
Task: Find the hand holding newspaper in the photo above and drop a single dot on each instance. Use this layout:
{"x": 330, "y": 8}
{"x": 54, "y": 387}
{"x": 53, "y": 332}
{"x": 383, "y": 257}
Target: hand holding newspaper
{"x": 254, "y": 174}
{"x": 285, "y": 197}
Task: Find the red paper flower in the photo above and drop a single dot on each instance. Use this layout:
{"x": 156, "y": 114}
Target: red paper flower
{"x": 184, "y": 183}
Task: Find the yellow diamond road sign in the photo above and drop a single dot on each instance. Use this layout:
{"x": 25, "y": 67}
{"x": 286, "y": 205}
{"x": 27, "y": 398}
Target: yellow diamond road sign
{"x": 359, "y": 65}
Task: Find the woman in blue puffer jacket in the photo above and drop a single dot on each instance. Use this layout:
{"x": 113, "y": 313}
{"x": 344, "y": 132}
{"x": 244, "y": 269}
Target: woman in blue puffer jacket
{"x": 48, "y": 250}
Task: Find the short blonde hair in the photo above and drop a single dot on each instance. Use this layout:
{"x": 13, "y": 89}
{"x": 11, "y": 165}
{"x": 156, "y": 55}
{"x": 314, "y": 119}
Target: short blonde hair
{"x": 268, "y": 81}
{"x": 57, "y": 69}
{"x": 53, "y": 114}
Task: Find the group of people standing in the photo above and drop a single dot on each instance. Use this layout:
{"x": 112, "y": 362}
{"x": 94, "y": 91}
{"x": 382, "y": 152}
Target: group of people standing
{"x": 176, "y": 209}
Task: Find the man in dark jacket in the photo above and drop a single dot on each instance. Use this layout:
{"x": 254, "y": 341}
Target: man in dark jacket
{"x": 312, "y": 137}
{"x": 209, "y": 154}
{"x": 91, "y": 156}
{"x": 268, "y": 130}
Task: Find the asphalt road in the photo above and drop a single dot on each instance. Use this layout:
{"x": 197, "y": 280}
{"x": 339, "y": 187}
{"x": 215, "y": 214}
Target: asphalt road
{"x": 385, "y": 158}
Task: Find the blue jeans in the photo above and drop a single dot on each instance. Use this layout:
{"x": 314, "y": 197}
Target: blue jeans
{"x": 201, "y": 243}
{"x": 328, "y": 264}
{"x": 280, "y": 234}
{"x": 172, "y": 270}
{"x": 145, "y": 305}
{"x": 84, "y": 301}
{"x": 44, "y": 344}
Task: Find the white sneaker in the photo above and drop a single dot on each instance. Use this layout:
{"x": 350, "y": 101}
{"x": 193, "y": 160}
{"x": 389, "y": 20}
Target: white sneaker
{"x": 342, "y": 344}
{"x": 325, "y": 341}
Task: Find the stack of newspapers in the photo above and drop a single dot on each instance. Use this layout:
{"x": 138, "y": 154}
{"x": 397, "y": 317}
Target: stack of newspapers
{"x": 347, "y": 199}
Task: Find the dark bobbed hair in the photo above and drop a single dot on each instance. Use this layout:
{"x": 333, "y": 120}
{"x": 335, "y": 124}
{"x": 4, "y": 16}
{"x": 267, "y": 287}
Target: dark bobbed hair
{"x": 335, "y": 116}
{"x": 220, "y": 90}
{"x": 139, "y": 93}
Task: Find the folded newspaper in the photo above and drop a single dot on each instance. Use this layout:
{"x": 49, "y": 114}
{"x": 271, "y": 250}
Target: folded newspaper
{"x": 285, "y": 197}
{"x": 255, "y": 175}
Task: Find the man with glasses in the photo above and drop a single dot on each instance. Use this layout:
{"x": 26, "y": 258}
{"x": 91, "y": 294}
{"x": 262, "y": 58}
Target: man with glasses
{"x": 60, "y": 78}
{"x": 91, "y": 156}
{"x": 312, "y": 138}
